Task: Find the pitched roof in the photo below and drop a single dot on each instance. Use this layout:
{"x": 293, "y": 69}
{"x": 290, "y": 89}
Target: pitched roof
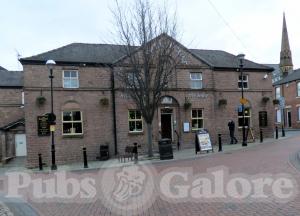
{"x": 108, "y": 54}
{"x": 11, "y": 78}
{"x": 222, "y": 59}
{"x": 2, "y": 68}
{"x": 294, "y": 76}
{"x": 81, "y": 53}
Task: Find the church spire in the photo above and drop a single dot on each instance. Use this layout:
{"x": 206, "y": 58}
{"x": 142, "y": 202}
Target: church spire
{"x": 286, "y": 63}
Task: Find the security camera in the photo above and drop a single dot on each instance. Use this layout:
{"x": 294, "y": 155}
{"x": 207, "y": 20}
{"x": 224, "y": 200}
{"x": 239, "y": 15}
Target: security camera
{"x": 265, "y": 76}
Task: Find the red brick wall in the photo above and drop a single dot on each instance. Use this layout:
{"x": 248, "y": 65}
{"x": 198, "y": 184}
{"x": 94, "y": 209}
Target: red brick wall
{"x": 97, "y": 119}
{"x": 292, "y": 101}
{"x": 98, "y": 122}
{"x": 10, "y": 106}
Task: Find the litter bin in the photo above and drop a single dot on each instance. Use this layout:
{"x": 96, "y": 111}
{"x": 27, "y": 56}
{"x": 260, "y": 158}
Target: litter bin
{"x": 165, "y": 149}
{"x": 104, "y": 152}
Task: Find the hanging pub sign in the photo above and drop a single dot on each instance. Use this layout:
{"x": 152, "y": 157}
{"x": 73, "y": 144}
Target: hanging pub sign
{"x": 202, "y": 141}
{"x": 43, "y": 125}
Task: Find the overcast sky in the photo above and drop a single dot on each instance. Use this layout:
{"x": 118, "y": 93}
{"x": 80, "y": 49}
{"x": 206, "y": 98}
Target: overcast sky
{"x": 253, "y": 27}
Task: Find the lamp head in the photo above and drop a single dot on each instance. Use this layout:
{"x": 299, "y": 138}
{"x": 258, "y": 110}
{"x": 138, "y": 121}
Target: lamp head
{"x": 50, "y": 63}
{"x": 241, "y": 58}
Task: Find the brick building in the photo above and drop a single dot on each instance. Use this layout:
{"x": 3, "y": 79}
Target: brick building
{"x": 287, "y": 86}
{"x": 12, "y": 128}
{"x": 92, "y": 110}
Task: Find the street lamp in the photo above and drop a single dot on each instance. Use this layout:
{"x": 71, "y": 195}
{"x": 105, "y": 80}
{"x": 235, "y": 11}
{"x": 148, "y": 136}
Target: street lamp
{"x": 241, "y": 58}
{"x": 51, "y": 117}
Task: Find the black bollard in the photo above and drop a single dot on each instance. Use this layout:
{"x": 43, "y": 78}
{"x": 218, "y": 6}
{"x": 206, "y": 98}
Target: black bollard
{"x": 261, "y": 136}
{"x": 276, "y": 132}
{"x": 283, "y": 132}
{"x": 85, "y": 163}
{"x": 40, "y": 162}
{"x": 220, "y": 142}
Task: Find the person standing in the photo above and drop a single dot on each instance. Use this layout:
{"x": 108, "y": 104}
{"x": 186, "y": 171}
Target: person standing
{"x": 231, "y": 127}
{"x": 135, "y": 152}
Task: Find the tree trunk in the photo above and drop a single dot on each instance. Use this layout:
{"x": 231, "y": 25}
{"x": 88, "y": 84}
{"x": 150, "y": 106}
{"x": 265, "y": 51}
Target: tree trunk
{"x": 149, "y": 139}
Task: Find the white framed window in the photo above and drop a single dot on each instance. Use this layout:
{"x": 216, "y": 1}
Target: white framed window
{"x": 70, "y": 79}
{"x": 72, "y": 123}
{"x": 243, "y": 80}
{"x": 278, "y": 116}
{"x": 298, "y": 89}
{"x": 196, "y": 80}
{"x": 277, "y": 93}
{"x": 298, "y": 113}
{"x": 135, "y": 121}
{"x": 247, "y": 117}
{"x": 132, "y": 80}
{"x": 197, "y": 119}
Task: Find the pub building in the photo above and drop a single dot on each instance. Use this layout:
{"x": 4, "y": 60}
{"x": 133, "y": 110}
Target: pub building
{"x": 92, "y": 110}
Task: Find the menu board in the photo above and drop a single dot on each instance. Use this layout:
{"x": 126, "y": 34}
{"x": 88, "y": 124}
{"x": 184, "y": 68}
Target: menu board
{"x": 204, "y": 141}
{"x": 43, "y": 126}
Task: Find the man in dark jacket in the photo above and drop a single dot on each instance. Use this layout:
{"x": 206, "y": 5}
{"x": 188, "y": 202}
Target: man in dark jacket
{"x": 231, "y": 127}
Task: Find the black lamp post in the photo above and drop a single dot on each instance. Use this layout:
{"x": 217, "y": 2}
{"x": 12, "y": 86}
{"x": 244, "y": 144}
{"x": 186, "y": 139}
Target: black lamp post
{"x": 51, "y": 118}
{"x": 241, "y": 58}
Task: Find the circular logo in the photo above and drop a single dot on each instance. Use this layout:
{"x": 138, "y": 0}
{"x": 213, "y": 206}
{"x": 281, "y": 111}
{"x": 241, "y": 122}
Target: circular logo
{"x": 128, "y": 190}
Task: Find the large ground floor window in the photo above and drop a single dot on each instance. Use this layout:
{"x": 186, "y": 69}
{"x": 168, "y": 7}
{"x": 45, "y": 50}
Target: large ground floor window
{"x": 135, "y": 121}
{"x": 247, "y": 117}
{"x": 72, "y": 123}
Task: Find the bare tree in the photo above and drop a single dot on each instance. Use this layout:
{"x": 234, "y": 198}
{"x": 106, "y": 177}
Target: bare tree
{"x": 150, "y": 56}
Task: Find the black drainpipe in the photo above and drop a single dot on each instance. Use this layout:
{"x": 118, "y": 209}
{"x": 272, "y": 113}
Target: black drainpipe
{"x": 114, "y": 109}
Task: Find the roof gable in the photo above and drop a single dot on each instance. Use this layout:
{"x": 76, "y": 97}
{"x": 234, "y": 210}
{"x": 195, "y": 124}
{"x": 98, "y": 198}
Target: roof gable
{"x": 186, "y": 57}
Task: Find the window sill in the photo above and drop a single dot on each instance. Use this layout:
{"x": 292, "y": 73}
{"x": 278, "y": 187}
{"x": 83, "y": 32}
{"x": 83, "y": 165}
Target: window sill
{"x": 70, "y": 88}
{"x": 196, "y": 88}
{"x": 79, "y": 136}
{"x": 195, "y": 130}
{"x": 136, "y": 133}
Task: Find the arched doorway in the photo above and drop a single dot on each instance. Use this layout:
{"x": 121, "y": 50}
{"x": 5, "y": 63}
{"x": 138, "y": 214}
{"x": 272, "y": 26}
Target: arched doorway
{"x": 168, "y": 118}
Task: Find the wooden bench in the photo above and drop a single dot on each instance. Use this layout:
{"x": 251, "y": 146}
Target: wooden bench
{"x": 126, "y": 155}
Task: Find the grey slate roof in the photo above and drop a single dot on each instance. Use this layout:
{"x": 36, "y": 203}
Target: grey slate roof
{"x": 294, "y": 76}
{"x": 222, "y": 59}
{"x": 81, "y": 53}
{"x": 108, "y": 54}
{"x": 2, "y": 68}
{"x": 11, "y": 78}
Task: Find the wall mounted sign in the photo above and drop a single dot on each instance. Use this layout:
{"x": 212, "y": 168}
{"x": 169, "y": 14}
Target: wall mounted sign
{"x": 186, "y": 127}
{"x": 43, "y": 126}
{"x": 197, "y": 95}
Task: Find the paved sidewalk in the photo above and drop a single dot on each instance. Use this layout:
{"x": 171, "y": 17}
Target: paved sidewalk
{"x": 184, "y": 154}
{"x": 17, "y": 164}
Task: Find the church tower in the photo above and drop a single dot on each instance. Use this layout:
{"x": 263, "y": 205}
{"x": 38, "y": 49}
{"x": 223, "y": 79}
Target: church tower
{"x": 286, "y": 63}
